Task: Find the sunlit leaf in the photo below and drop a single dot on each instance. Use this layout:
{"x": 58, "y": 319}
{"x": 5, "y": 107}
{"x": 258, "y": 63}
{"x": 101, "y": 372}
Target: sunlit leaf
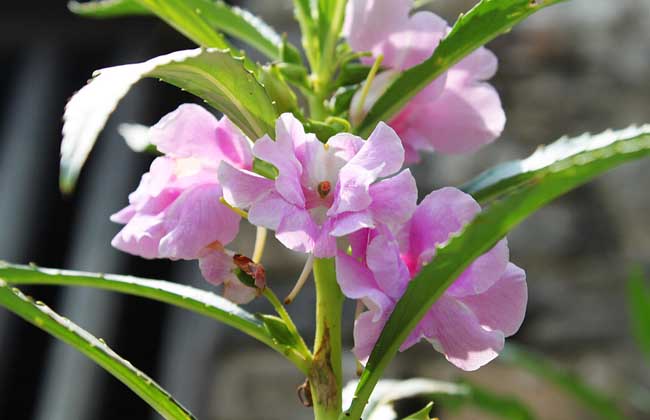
{"x": 213, "y": 75}
{"x": 190, "y": 298}
{"x": 559, "y": 174}
{"x": 95, "y": 349}
{"x": 638, "y": 302}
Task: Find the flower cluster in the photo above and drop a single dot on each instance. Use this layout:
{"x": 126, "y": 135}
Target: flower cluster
{"x": 457, "y": 113}
{"x": 347, "y": 198}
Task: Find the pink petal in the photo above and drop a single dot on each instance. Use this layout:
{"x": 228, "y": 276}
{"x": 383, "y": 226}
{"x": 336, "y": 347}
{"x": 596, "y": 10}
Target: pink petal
{"x": 281, "y": 154}
{"x": 216, "y": 266}
{"x": 236, "y": 291}
{"x": 196, "y": 220}
{"x": 441, "y": 213}
{"x": 369, "y": 22}
{"x": 503, "y": 306}
{"x": 357, "y": 282}
{"x": 345, "y": 145}
{"x": 483, "y": 273}
{"x": 366, "y": 334}
{"x": 382, "y": 153}
{"x": 456, "y": 332}
{"x": 351, "y": 222}
{"x": 233, "y": 144}
{"x": 189, "y": 131}
{"x": 141, "y": 236}
{"x": 297, "y": 231}
{"x": 394, "y": 199}
{"x": 269, "y": 210}
{"x": 388, "y": 269}
{"x": 241, "y": 188}
{"x": 352, "y": 191}
{"x": 124, "y": 216}
{"x": 325, "y": 244}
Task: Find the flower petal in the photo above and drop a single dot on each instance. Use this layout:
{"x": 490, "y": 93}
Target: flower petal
{"x": 269, "y": 210}
{"x": 216, "y": 266}
{"x": 382, "y": 153}
{"x": 281, "y": 153}
{"x": 456, "y": 332}
{"x": 351, "y": 222}
{"x": 366, "y": 333}
{"x": 141, "y": 236}
{"x": 236, "y": 291}
{"x": 241, "y": 188}
{"x": 189, "y": 131}
{"x": 233, "y": 144}
{"x": 388, "y": 269}
{"x": 297, "y": 231}
{"x": 394, "y": 199}
{"x": 503, "y": 306}
{"x": 357, "y": 282}
{"x": 195, "y": 220}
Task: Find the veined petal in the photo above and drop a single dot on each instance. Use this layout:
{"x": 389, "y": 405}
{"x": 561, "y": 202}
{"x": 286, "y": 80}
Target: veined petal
{"x": 388, "y": 269}
{"x": 281, "y": 154}
{"x": 366, "y": 333}
{"x": 382, "y": 154}
{"x": 503, "y": 306}
{"x": 141, "y": 236}
{"x": 241, "y": 188}
{"x": 195, "y": 220}
{"x": 394, "y": 199}
{"x": 189, "y": 131}
{"x": 269, "y": 210}
{"x": 357, "y": 282}
{"x": 297, "y": 231}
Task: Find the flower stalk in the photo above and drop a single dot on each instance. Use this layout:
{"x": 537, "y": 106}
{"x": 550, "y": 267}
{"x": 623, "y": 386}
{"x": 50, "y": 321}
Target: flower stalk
{"x": 325, "y": 374}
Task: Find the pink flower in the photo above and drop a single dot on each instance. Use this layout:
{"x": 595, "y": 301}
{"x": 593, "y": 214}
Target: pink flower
{"x": 323, "y": 191}
{"x": 175, "y": 212}
{"x": 458, "y": 112}
{"x": 470, "y": 321}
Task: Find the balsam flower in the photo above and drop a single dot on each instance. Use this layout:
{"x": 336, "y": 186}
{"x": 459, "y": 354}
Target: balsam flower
{"x": 470, "y": 321}
{"x": 323, "y": 191}
{"x": 175, "y": 212}
{"x": 458, "y": 112}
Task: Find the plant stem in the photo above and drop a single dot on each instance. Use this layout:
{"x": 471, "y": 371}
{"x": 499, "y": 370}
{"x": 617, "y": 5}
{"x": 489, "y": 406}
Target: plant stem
{"x": 279, "y": 308}
{"x": 325, "y": 374}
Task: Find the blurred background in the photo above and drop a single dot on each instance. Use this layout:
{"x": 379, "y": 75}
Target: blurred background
{"x": 580, "y": 66}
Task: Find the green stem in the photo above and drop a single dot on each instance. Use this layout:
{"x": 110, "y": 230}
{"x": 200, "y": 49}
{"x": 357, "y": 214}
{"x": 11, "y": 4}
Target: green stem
{"x": 280, "y": 309}
{"x": 325, "y": 375}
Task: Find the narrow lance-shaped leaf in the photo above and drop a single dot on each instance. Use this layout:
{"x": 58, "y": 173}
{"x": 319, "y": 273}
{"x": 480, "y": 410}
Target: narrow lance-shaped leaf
{"x": 555, "y": 178}
{"x": 601, "y": 405}
{"x": 448, "y": 395}
{"x": 638, "y": 301}
{"x": 214, "y": 75}
{"x": 63, "y": 329}
{"x": 487, "y": 20}
{"x": 196, "y": 300}
{"x": 217, "y": 15}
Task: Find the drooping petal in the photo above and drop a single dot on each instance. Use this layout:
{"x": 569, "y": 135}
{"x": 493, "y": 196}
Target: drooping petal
{"x": 357, "y": 282}
{"x": 366, "y": 334}
{"x": 269, "y": 210}
{"x": 441, "y": 213}
{"x": 195, "y": 220}
{"x": 297, "y": 231}
{"x": 216, "y": 265}
{"x": 483, "y": 273}
{"x": 351, "y": 222}
{"x": 502, "y": 307}
{"x": 241, "y": 188}
{"x": 141, "y": 236}
{"x": 236, "y": 291}
{"x": 388, "y": 269}
{"x": 455, "y": 331}
{"x": 189, "y": 131}
{"x": 394, "y": 199}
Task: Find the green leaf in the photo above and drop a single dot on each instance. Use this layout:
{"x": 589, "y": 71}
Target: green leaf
{"x": 484, "y": 22}
{"x": 638, "y": 302}
{"x": 95, "y": 349}
{"x": 448, "y": 395}
{"x": 601, "y": 405}
{"x": 278, "y": 329}
{"x": 196, "y": 300}
{"x": 553, "y": 177}
{"x": 421, "y": 414}
{"x": 214, "y": 75}
{"x": 107, "y": 8}
{"x": 197, "y": 19}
